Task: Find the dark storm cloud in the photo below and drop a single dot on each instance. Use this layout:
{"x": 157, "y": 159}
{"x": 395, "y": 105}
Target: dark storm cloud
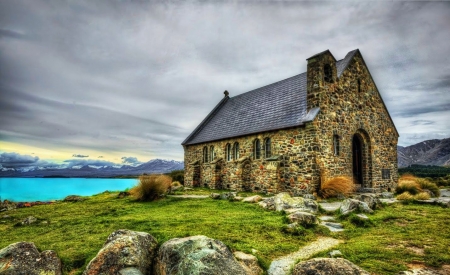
{"x": 137, "y": 77}
{"x": 80, "y": 156}
{"x": 17, "y": 160}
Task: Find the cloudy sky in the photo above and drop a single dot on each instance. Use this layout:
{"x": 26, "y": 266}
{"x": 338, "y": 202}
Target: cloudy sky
{"x": 127, "y": 81}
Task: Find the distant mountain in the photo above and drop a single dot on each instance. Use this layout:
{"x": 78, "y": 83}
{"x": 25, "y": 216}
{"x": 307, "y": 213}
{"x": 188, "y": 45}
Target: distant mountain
{"x": 429, "y": 152}
{"x": 155, "y": 166}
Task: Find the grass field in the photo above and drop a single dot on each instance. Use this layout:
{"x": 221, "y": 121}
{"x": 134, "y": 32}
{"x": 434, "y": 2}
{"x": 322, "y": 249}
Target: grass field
{"x": 396, "y": 236}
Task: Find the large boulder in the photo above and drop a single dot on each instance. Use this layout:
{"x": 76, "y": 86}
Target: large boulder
{"x": 24, "y": 258}
{"x": 124, "y": 252}
{"x": 350, "y": 205}
{"x": 196, "y": 255}
{"x": 283, "y": 201}
{"x": 328, "y": 266}
{"x": 252, "y": 199}
{"x": 303, "y": 218}
{"x": 372, "y": 200}
{"x": 249, "y": 263}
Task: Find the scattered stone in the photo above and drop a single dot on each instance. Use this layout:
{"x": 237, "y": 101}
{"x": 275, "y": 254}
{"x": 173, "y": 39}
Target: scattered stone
{"x": 123, "y": 194}
{"x": 445, "y": 192}
{"x": 283, "y": 201}
{"x": 29, "y": 220}
{"x": 303, "y": 218}
{"x": 330, "y": 206}
{"x": 228, "y": 196}
{"x": 309, "y": 196}
{"x": 387, "y": 195}
{"x": 328, "y": 266}
{"x": 335, "y": 254}
{"x": 421, "y": 271}
{"x": 248, "y": 262}
{"x": 73, "y": 198}
{"x": 196, "y": 255}
{"x": 238, "y": 198}
{"x": 187, "y": 189}
{"x": 130, "y": 271}
{"x": 7, "y": 205}
{"x": 24, "y": 258}
{"x": 370, "y": 199}
{"x": 292, "y": 225}
{"x": 124, "y": 249}
{"x": 253, "y": 199}
{"x": 334, "y": 226}
{"x": 215, "y": 196}
{"x": 350, "y": 205}
{"x": 362, "y": 216}
{"x": 175, "y": 188}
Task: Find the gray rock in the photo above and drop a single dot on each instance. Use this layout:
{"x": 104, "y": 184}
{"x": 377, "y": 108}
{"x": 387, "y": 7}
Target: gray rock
{"x": 309, "y": 196}
{"x": 248, "y": 262}
{"x": 215, "y": 196}
{"x": 333, "y": 226}
{"x": 130, "y": 271}
{"x": 24, "y": 258}
{"x": 350, "y": 205}
{"x": 327, "y": 218}
{"x": 7, "y": 205}
{"x": 283, "y": 201}
{"x": 253, "y": 199}
{"x": 362, "y": 216}
{"x": 73, "y": 198}
{"x": 196, "y": 255}
{"x": 328, "y": 266}
{"x": 370, "y": 199}
{"x": 124, "y": 249}
{"x": 29, "y": 220}
{"x": 303, "y": 218}
{"x": 228, "y": 196}
{"x": 387, "y": 195}
{"x": 420, "y": 271}
{"x": 335, "y": 254}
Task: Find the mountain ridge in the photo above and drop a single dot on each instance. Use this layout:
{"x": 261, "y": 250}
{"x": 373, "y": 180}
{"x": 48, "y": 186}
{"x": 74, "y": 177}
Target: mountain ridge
{"x": 428, "y": 152}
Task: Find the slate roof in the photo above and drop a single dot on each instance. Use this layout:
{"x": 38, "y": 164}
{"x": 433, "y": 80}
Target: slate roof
{"x": 275, "y": 106}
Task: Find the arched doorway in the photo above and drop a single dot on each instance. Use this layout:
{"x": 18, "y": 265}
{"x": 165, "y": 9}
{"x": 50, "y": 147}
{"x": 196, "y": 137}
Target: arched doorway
{"x": 357, "y": 154}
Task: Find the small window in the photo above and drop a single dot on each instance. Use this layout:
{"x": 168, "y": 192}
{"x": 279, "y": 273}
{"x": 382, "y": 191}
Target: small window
{"x": 256, "y": 149}
{"x": 267, "y": 148}
{"x": 228, "y": 151}
{"x": 336, "y": 145}
{"x": 212, "y": 153}
{"x": 385, "y": 174}
{"x": 327, "y": 73}
{"x": 359, "y": 86}
{"x": 236, "y": 150}
{"x": 205, "y": 154}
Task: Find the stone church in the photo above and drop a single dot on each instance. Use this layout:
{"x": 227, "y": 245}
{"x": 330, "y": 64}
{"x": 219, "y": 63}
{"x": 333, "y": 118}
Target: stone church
{"x": 293, "y": 134}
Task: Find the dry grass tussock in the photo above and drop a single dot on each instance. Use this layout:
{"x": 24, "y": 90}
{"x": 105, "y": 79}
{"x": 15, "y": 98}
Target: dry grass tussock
{"x": 413, "y": 185}
{"x": 151, "y": 187}
{"x": 422, "y": 196}
{"x": 333, "y": 187}
{"x": 405, "y": 196}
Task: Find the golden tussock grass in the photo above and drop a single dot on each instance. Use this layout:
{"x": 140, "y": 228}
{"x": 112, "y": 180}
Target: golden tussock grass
{"x": 414, "y": 185}
{"x": 333, "y": 187}
{"x": 151, "y": 187}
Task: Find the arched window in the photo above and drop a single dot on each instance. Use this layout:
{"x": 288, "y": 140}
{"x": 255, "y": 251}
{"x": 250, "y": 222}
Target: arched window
{"x": 205, "y": 154}
{"x": 267, "y": 148}
{"x": 236, "y": 150}
{"x": 336, "y": 145}
{"x": 228, "y": 151}
{"x": 327, "y": 73}
{"x": 256, "y": 149}
{"x": 212, "y": 153}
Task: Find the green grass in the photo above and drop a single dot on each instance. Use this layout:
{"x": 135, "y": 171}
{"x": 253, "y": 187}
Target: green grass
{"x": 77, "y": 231}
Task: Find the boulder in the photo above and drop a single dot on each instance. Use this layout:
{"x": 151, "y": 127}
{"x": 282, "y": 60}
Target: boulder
{"x": 335, "y": 254}
{"x": 215, "y": 196}
{"x": 309, "y": 196}
{"x": 253, "y": 199}
{"x": 24, "y": 258}
{"x": 228, "y": 196}
{"x": 248, "y": 262}
{"x": 73, "y": 198}
{"x": 387, "y": 195}
{"x": 124, "y": 252}
{"x": 372, "y": 201}
{"x": 350, "y": 205}
{"x": 283, "y": 201}
{"x": 29, "y": 220}
{"x": 303, "y": 218}
{"x": 7, "y": 205}
{"x": 328, "y": 266}
{"x": 196, "y": 255}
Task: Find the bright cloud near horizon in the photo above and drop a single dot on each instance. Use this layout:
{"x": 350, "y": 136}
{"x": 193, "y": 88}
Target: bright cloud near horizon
{"x": 128, "y": 81}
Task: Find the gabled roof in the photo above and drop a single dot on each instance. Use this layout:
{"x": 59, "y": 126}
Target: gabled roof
{"x": 272, "y": 107}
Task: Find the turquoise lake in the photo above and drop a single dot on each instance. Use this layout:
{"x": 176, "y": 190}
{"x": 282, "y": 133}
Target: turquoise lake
{"x": 47, "y": 189}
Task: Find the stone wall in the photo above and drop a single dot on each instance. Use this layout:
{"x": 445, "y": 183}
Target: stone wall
{"x": 350, "y": 107}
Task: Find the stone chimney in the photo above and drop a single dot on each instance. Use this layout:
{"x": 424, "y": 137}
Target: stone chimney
{"x": 321, "y": 72}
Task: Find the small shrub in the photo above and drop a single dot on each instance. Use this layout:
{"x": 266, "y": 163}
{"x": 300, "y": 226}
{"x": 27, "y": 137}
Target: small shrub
{"x": 422, "y": 196}
{"x": 405, "y": 196}
{"x": 428, "y": 185}
{"x": 176, "y": 183}
{"x": 151, "y": 187}
{"x": 408, "y": 185}
{"x": 337, "y": 186}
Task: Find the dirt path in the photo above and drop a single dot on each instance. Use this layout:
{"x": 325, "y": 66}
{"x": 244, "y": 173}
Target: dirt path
{"x": 283, "y": 265}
